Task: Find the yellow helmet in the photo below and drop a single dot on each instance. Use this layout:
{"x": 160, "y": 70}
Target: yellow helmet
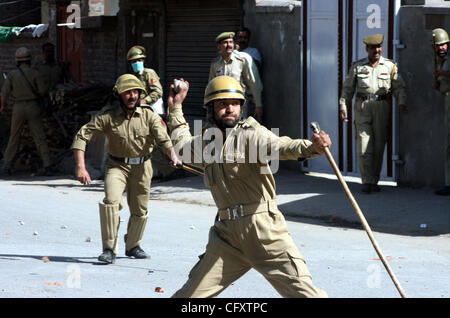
{"x": 223, "y": 87}
{"x": 440, "y": 36}
{"x": 23, "y": 54}
{"x": 136, "y": 52}
{"x": 126, "y": 82}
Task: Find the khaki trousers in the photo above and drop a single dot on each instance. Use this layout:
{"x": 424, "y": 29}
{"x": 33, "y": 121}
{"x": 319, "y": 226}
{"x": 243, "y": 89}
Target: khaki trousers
{"x": 27, "y": 112}
{"x": 260, "y": 241}
{"x": 371, "y": 125}
{"x": 135, "y": 179}
{"x": 447, "y": 140}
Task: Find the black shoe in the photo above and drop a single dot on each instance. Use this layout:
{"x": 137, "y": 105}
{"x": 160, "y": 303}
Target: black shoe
{"x": 375, "y": 188}
{"x": 137, "y": 252}
{"x": 107, "y": 256}
{"x": 444, "y": 191}
{"x": 366, "y": 188}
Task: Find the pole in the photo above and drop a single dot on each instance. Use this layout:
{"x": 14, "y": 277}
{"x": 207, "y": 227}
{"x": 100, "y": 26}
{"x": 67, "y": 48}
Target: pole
{"x": 315, "y": 127}
{"x": 191, "y": 169}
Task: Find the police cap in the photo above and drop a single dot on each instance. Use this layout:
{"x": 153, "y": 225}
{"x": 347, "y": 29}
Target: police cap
{"x": 224, "y": 35}
{"x": 375, "y": 39}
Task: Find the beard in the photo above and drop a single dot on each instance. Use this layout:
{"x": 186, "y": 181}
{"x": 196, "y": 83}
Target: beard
{"x": 224, "y": 123}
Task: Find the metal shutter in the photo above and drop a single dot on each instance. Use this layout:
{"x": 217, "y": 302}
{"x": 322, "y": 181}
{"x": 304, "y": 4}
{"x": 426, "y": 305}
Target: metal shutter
{"x": 192, "y": 27}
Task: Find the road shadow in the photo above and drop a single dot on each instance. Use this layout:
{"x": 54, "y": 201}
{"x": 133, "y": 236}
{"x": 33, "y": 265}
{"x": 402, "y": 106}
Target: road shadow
{"x": 320, "y": 199}
{"x": 81, "y": 260}
{"x": 58, "y": 259}
{"x": 394, "y": 210}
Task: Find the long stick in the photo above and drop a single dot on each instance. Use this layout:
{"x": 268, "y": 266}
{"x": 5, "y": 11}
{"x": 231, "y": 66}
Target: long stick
{"x": 316, "y": 129}
{"x": 192, "y": 170}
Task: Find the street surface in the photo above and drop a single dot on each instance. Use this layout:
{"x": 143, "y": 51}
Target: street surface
{"x": 50, "y": 239}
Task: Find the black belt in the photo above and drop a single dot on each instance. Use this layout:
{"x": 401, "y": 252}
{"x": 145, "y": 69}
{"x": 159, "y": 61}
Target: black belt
{"x": 131, "y": 161}
{"x": 368, "y": 96}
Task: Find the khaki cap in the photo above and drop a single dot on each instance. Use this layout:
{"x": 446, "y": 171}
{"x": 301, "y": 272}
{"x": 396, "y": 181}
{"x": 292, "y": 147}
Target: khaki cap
{"x": 224, "y": 35}
{"x": 136, "y": 52}
{"x": 375, "y": 39}
{"x": 126, "y": 82}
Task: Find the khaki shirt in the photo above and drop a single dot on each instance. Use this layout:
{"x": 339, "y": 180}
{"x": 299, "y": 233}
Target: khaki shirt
{"x": 240, "y": 173}
{"x": 151, "y": 82}
{"x": 17, "y": 86}
{"x": 381, "y": 80}
{"x": 132, "y": 138}
{"x": 444, "y": 81}
{"x": 53, "y": 73}
{"x": 239, "y": 69}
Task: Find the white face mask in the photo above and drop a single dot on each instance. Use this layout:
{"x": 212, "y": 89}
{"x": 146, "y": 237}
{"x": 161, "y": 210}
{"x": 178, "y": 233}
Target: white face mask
{"x": 137, "y": 66}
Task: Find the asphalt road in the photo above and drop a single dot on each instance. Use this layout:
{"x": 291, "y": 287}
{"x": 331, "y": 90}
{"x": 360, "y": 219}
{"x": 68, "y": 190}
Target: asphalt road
{"x": 50, "y": 240}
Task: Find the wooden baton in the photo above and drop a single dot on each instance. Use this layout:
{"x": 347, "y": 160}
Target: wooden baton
{"x": 316, "y": 129}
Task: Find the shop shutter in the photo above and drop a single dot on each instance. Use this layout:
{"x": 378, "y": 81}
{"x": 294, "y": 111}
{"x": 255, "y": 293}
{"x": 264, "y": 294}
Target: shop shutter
{"x": 192, "y": 27}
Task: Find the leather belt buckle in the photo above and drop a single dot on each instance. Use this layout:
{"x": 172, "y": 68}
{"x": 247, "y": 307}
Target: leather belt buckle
{"x": 235, "y": 211}
{"x": 133, "y": 161}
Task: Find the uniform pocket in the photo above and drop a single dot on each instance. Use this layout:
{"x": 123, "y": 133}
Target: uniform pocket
{"x": 363, "y": 80}
{"x": 297, "y": 266}
{"x": 141, "y": 135}
{"x": 384, "y": 81}
{"x": 271, "y": 233}
{"x": 237, "y": 170}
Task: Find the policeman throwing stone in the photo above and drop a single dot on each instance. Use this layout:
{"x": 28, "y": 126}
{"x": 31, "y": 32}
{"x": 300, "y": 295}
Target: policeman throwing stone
{"x": 373, "y": 78}
{"x": 132, "y": 130}
{"x": 249, "y": 230}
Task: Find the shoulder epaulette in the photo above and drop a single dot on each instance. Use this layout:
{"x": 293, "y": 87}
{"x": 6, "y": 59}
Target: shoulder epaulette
{"x": 240, "y": 58}
{"x": 250, "y": 122}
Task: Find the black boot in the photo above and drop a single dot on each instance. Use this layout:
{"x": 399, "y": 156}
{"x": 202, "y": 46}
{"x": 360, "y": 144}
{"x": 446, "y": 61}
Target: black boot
{"x": 366, "y": 188}
{"x": 136, "y": 252}
{"x": 107, "y": 256}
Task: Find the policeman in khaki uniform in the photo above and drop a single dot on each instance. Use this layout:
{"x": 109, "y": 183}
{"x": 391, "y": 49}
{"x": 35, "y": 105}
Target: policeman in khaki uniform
{"x": 231, "y": 64}
{"x": 374, "y": 78}
{"x": 153, "y": 89}
{"x": 441, "y": 41}
{"x": 153, "y": 96}
{"x": 26, "y": 87}
{"x": 249, "y": 230}
{"x": 132, "y": 130}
